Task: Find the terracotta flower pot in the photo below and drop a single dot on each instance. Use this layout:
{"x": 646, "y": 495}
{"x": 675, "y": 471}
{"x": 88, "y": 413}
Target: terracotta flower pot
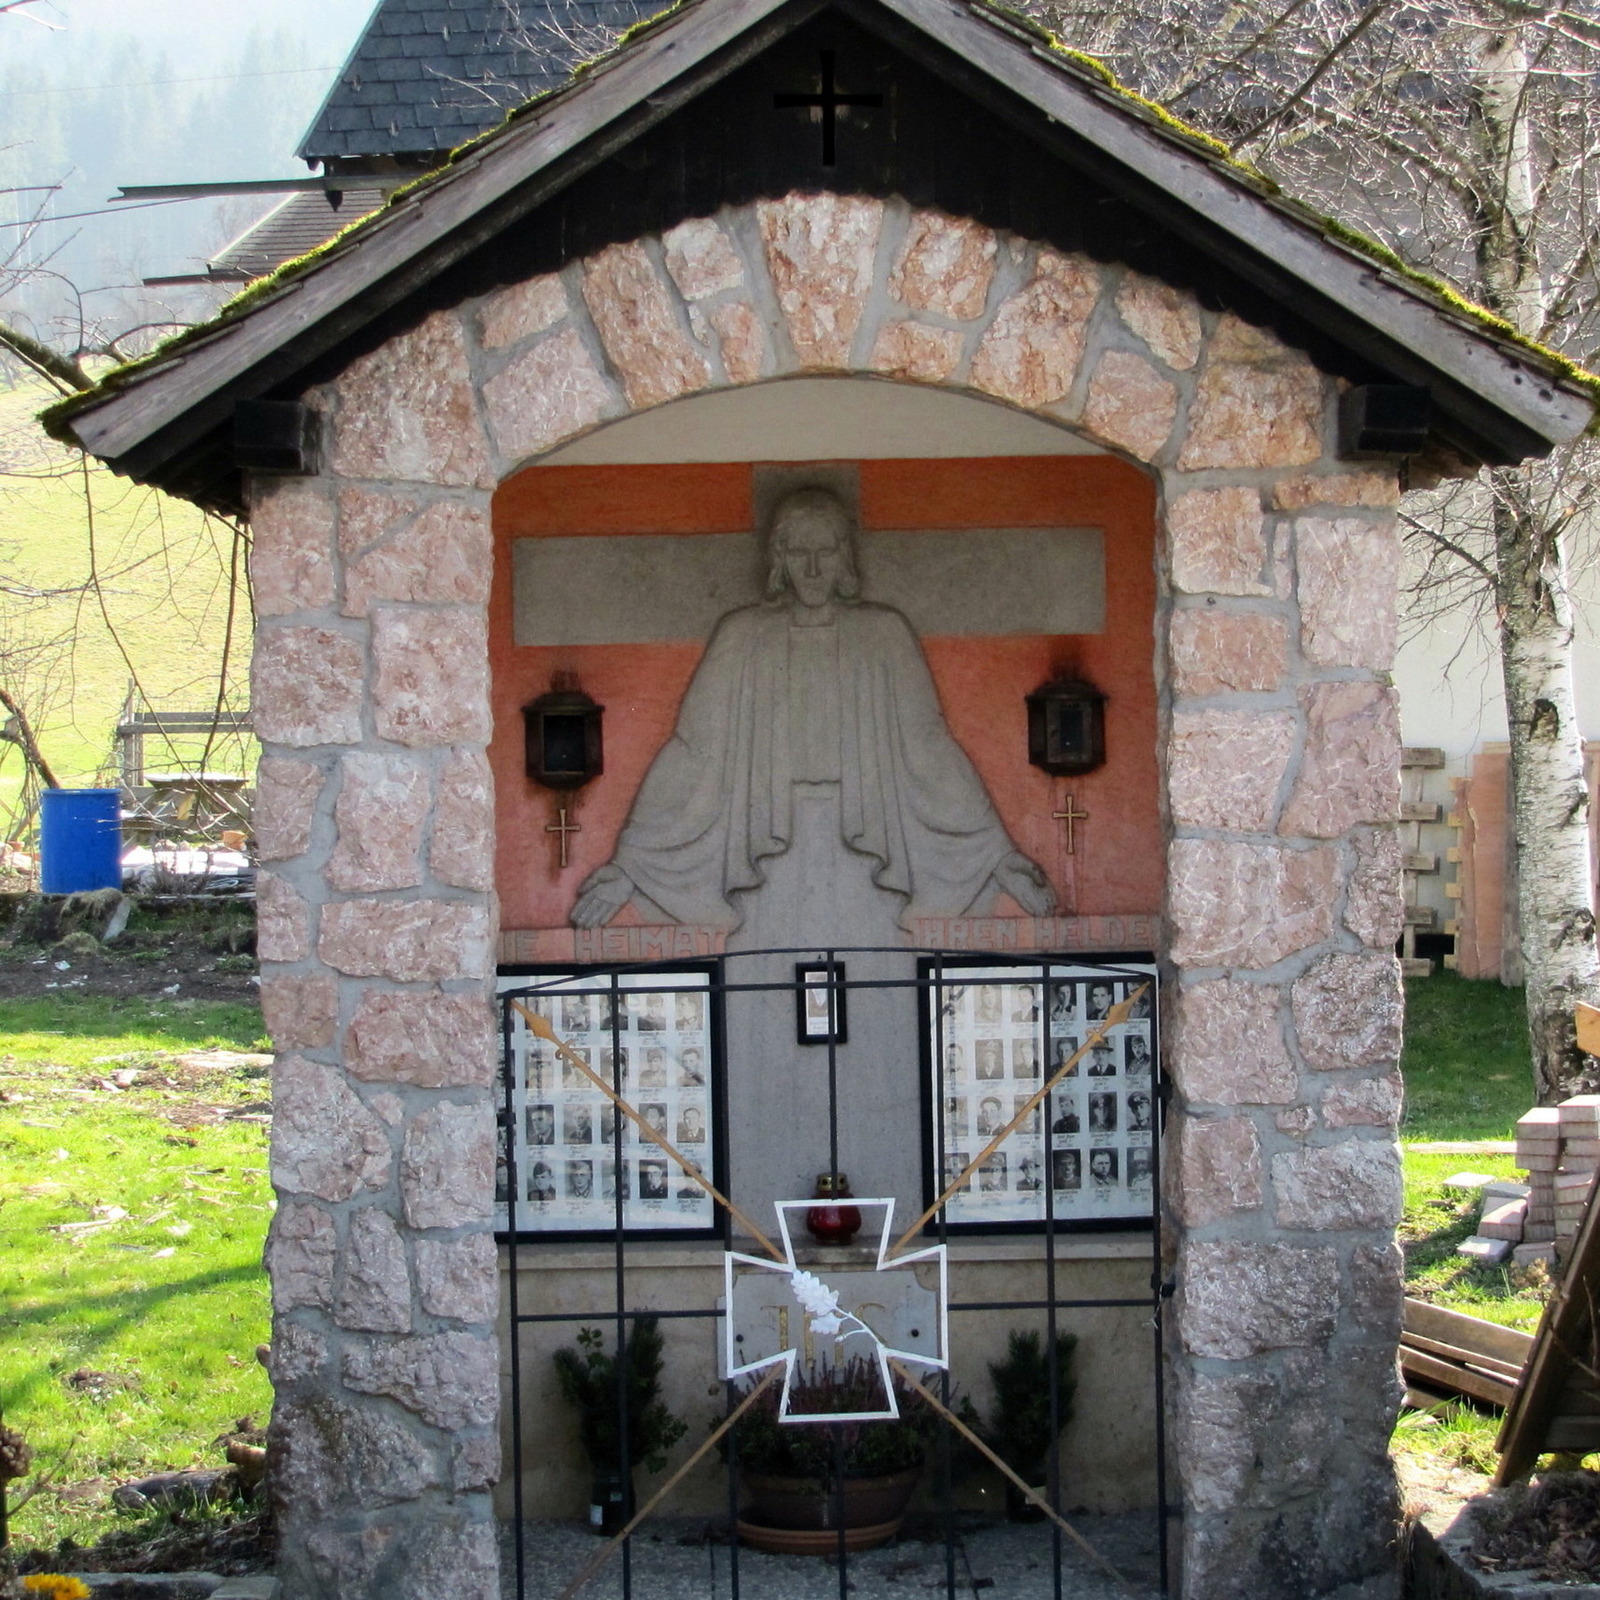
{"x": 796, "y": 1515}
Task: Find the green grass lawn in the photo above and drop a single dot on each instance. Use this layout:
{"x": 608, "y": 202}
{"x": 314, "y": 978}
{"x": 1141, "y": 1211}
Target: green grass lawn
{"x": 131, "y": 1291}
{"x": 1467, "y": 1078}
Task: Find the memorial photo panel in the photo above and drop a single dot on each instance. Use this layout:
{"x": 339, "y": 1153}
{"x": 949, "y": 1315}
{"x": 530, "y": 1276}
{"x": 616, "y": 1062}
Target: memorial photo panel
{"x": 655, "y": 1040}
{"x": 992, "y": 1032}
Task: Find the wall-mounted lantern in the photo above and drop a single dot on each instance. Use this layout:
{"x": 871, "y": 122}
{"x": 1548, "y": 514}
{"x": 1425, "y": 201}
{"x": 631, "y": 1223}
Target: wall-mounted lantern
{"x": 563, "y": 737}
{"x": 1067, "y": 727}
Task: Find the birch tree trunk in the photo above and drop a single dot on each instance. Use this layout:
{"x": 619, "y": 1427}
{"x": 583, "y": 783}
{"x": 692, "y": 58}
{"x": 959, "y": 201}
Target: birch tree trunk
{"x": 1550, "y": 798}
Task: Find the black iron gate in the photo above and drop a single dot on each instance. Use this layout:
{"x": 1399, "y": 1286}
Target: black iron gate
{"x": 527, "y": 994}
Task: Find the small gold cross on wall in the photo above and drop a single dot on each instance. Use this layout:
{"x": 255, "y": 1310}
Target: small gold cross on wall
{"x": 1071, "y": 816}
{"x": 562, "y": 827}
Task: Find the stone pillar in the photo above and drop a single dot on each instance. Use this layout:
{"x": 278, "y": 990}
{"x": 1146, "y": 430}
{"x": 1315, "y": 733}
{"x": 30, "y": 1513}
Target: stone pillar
{"x": 1281, "y": 759}
{"x": 375, "y": 827}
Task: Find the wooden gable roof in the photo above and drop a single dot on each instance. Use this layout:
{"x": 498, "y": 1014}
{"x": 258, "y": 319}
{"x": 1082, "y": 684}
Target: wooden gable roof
{"x": 983, "y": 118}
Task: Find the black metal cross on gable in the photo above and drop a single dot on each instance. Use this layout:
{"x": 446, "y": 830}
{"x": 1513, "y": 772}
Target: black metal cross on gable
{"x": 827, "y": 100}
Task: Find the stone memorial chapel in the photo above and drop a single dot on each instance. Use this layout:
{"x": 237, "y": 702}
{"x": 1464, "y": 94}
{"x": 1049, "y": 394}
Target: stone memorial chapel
{"x": 692, "y": 524}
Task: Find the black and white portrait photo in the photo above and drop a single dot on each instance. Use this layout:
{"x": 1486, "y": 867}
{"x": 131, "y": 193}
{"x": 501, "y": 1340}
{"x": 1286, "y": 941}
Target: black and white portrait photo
{"x": 1066, "y": 1170}
{"x": 1102, "y": 1060}
{"x": 692, "y": 1068}
{"x": 1138, "y": 1112}
{"x": 991, "y": 1059}
{"x": 541, "y": 1124}
{"x": 1067, "y": 1119}
{"x": 992, "y": 1174}
{"x": 541, "y": 1182}
{"x": 577, "y": 1125}
{"x": 1103, "y": 1168}
{"x": 652, "y": 1180}
{"x": 1137, "y": 1056}
{"x": 991, "y": 1117}
{"x": 1024, "y": 1058}
{"x": 1102, "y": 1113}
{"x": 1139, "y": 1167}
{"x": 691, "y": 1125}
{"x": 1100, "y": 1000}
{"x": 580, "y": 1180}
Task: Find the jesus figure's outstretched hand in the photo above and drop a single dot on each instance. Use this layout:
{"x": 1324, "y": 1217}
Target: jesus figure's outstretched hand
{"x": 604, "y": 893}
{"x": 1026, "y": 884}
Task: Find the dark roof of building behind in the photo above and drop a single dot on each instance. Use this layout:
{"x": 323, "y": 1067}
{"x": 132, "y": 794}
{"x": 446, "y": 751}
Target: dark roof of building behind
{"x": 290, "y": 229}
{"x": 427, "y": 75}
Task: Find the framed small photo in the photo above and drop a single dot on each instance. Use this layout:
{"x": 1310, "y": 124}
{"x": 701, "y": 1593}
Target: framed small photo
{"x": 820, "y": 1003}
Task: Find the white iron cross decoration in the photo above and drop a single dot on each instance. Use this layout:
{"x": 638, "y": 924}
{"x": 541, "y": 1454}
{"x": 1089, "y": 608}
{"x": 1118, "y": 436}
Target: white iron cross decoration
{"x": 810, "y": 1306}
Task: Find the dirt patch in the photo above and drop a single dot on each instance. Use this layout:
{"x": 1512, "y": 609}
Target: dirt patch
{"x": 193, "y": 950}
{"x": 1550, "y": 1528}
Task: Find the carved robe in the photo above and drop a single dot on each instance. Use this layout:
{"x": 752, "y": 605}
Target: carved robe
{"x": 846, "y": 710}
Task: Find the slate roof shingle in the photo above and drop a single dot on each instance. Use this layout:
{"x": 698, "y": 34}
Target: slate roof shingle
{"x": 455, "y": 67}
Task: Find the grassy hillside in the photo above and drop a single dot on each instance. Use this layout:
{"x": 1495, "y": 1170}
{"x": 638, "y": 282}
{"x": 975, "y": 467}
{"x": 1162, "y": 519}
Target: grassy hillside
{"x": 159, "y": 616}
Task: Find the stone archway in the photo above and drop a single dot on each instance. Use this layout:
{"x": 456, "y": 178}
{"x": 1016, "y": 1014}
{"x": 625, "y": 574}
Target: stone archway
{"x": 1279, "y": 760}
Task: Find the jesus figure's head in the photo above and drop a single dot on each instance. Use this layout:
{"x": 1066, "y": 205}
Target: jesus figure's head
{"x": 811, "y": 551}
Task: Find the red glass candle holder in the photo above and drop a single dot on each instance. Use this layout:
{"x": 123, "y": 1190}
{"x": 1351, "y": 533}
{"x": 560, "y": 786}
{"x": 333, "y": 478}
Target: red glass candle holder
{"x": 830, "y": 1222}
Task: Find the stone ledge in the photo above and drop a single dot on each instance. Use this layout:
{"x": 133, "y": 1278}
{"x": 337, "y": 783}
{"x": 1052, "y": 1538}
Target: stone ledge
{"x": 1437, "y": 1566}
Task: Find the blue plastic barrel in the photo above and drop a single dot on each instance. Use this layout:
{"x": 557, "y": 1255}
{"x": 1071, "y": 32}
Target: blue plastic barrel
{"x": 80, "y": 840}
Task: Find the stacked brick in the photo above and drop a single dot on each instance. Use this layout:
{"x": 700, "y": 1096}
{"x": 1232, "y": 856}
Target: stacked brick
{"x": 1559, "y": 1149}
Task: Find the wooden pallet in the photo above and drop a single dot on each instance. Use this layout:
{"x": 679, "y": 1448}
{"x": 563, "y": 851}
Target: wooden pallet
{"x": 1453, "y": 1353}
{"x": 1415, "y": 761}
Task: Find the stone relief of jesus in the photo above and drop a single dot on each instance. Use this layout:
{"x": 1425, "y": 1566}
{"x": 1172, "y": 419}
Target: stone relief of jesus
{"x": 812, "y": 789}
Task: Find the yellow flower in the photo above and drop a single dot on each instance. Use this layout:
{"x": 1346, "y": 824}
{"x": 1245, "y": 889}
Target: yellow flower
{"x": 56, "y": 1586}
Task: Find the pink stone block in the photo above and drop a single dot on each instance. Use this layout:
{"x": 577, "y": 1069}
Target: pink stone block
{"x": 407, "y": 411}
{"x": 283, "y": 920}
{"x": 300, "y": 1254}
{"x": 1166, "y": 319}
{"x": 1503, "y": 1222}
{"x": 461, "y": 851}
{"x": 1347, "y": 1012}
{"x": 1219, "y": 1167}
{"x": 1225, "y": 768}
{"x": 411, "y": 941}
{"x": 1374, "y": 903}
{"x": 1349, "y": 572}
{"x": 1245, "y": 416}
{"x": 1372, "y": 486}
{"x": 522, "y": 310}
{"x": 428, "y": 1040}
{"x": 285, "y": 805}
{"x": 914, "y": 351}
{"x": 1130, "y": 404}
{"x": 1247, "y": 905}
{"x": 447, "y": 1166}
{"x": 1543, "y": 1122}
{"x": 431, "y": 676}
{"x": 1212, "y": 651}
{"x": 1579, "y": 1109}
{"x": 1034, "y": 343}
{"x": 546, "y": 394}
{"x": 1229, "y": 1046}
{"x": 820, "y": 251}
{"x": 366, "y": 515}
{"x": 460, "y": 1279}
{"x": 945, "y": 264}
{"x": 1350, "y": 768}
{"x": 1363, "y": 1102}
{"x": 380, "y": 814}
{"x": 306, "y": 686}
{"x": 1218, "y": 541}
{"x": 741, "y": 338}
{"x": 444, "y": 557}
{"x": 637, "y": 323}
{"x": 325, "y": 1142}
{"x": 1355, "y": 1184}
{"x": 291, "y": 548}
{"x": 702, "y": 259}
{"x": 1491, "y": 1252}
{"x": 374, "y": 1293}
{"x": 1240, "y": 1299}
{"x": 300, "y": 1013}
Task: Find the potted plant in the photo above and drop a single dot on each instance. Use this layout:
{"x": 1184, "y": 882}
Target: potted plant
{"x": 588, "y": 1379}
{"x": 799, "y": 1487}
{"x": 1019, "y": 1428}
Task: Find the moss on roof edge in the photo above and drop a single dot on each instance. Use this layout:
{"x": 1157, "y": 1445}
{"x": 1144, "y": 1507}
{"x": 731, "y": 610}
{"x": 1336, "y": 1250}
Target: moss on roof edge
{"x": 55, "y": 417}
